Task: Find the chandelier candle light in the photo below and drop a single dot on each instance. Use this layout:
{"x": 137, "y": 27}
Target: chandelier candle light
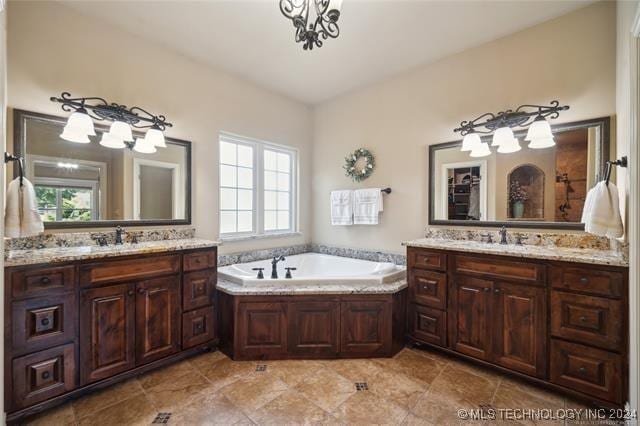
{"x": 502, "y": 124}
{"x": 80, "y": 124}
{"x": 314, "y": 20}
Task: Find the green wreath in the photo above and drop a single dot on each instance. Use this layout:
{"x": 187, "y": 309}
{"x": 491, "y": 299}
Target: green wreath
{"x": 359, "y": 165}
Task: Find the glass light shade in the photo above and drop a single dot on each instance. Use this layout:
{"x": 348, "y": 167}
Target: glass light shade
{"x": 74, "y": 135}
{"x": 502, "y": 135}
{"x": 82, "y": 123}
{"x": 155, "y": 138}
{"x": 542, "y": 143}
{"x": 110, "y": 141}
{"x": 539, "y": 129}
{"x": 480, "y": 150}
{"x": 335, "y": 4}
{"x": 507, "y": 147}
{"x": 144, "y": 147}
{"x": 121, "y": 130}
{"x": 470, "y": 141}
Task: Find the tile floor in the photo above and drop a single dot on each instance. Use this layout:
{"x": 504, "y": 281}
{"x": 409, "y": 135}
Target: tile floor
{"x": 414, "y": 387}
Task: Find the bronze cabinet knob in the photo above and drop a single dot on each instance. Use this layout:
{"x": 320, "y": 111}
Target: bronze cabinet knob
{"x": 44, "y": 321}
{"x": 141, "y": 291}
{"x": 45, "y": 375}
{"x": 45, "y": 280}
{"x": 130, "y": 292}
{"x": 584, "y": 280}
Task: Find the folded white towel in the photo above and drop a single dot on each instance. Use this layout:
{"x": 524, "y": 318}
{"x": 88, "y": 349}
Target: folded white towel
{"x": 342, "y": 207}
{"x": 21, "y": 218}
{"x": 601, "y": 211}
{"x": 367, "y": 204}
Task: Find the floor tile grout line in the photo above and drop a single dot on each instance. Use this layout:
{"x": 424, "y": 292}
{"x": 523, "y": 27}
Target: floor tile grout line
{"x": 97, "y": 392}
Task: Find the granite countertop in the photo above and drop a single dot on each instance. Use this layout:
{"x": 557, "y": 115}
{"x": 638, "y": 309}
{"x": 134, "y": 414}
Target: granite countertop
{"x": 68, "y": 254}
{"x": 282, "y": 290}
{"x": 565, "y": 254}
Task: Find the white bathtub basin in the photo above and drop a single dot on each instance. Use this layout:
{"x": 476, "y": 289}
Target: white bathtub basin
{"x": 314, "y": 269}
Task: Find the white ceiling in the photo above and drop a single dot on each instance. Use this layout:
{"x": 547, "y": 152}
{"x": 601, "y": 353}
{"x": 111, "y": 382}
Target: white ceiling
{"x": 251, "y": 38}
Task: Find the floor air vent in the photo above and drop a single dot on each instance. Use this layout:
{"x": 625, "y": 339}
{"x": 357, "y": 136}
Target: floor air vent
{"x": 161, "y": 419}
{"x": 261, "y": 367}
{"x": 362, "y": 386}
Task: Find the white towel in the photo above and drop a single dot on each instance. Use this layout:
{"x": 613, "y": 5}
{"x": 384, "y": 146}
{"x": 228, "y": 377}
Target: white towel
{"x": 342, "y": 207}
{"x": 367, "y": 204}
{"x": 21, "y": 218}
{"x": 601, "y": 211}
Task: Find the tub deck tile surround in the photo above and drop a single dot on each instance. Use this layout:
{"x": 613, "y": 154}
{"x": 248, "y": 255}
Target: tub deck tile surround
{"x": 286, "y": 290}
{"x": 75, "y": 253}
{"x": 565, "y": 254}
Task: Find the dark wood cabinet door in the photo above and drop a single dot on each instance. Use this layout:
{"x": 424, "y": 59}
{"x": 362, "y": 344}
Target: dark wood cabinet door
{"x": 198, "y": 288}
{"x": 365, "y": 327}
{"x": 157, "y": 318}
{"x": 520, "y": 328}
{"x": 107, "y": 331}
{"x": 198, "y": 327}
{"x": 428, "y": 288}
{"x": 470, "y": 320}
{"x": 261, "y": 329}
{"x": 314, "y": 327}
{"x": 428, "y": 324}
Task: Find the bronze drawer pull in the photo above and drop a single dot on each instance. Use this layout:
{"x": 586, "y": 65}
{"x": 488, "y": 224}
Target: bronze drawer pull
{"x": 486, "y": 289}
{"x": 141, "y": 291}
{"x": 130, "y": 292}
{"x": 45, "y": 375}
{"x": 496, "y": 291}
{"x": 44, "y": 321}
{"x": 583, "y": 319}
{"x": 584, "y": 280}
{"x": 45, "y": 280}
{"x": 582, "y": 370}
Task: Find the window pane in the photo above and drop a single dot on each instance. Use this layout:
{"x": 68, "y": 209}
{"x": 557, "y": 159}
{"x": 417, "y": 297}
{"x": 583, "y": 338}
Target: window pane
{"x": 245, "y": 178}
{"x": 47, "y": 215}
{"x": 245, "y": 156}
{"x": 283, "y": 220}
{"x": 245, "y": 221}
{"x": 227, "y": 222}
{"x": 46, "y": 197}
{"x": 283, "y": 181}
{"x": 283, "y": 162}
{"x": 227, "y": 176}
{"x": 245, "y": 199}
{"x": 270, "y": 181}
{"x": 270, "y": 198}
{"x": 270, "y": 161}
{"x": 227, "y": 199}
{"x": 74, "y": 198}
{"x": 228, "y": 153}
{"x": 270, "y": 221}
{"x": 76, "y": 215}
{"x": 283, "y": 201}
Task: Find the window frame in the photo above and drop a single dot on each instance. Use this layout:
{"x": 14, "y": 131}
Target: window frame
{"x": 259, "y": 147}
{"x": 60, "y": 183}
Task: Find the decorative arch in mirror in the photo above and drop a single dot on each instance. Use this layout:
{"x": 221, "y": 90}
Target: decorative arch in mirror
{"x": 526, "y": 193}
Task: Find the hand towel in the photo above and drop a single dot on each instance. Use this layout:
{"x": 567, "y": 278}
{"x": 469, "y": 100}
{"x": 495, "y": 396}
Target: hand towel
{"x": 367, "y": 204}
{"x": 21, "y": 218}
{"x": 342, "y": 207}
{"x": 601, "y": 211}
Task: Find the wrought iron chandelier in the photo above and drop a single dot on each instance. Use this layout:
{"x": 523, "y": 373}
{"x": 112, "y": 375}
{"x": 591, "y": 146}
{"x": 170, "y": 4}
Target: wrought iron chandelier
{"x": 84, "y": 110}
{"x": 501, "y": 125}
{"x": 314, "y": 20}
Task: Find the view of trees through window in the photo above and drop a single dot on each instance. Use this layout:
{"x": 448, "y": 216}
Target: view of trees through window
{"x": 64, "y": 203}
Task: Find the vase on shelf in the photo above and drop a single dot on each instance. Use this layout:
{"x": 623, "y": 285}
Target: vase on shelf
{"x": 517, "y": 209}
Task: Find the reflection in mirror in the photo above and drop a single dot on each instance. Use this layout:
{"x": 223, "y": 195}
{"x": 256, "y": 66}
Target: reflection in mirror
{"x": 523, "y": 188}
{"x": 78, "y": 184}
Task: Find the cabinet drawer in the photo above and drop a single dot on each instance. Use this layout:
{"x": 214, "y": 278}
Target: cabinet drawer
{"x": 40, "y": 281}
{"x": 427, "y": 260}
{"x": 428, "y": 325}
{"x": 197, "y": 289}
{"x": 199, "y": 260}
{"x": 43, "y": 375}
{"x": 588, "y": 370}
{"x": 593, "y": 320}
{"x": 129, "y": 269}
{"x": 198, "y": 327}
{"x": 428, "y": 288}
{"x": 43, "y": 322}
{"x": 586, "y": 280}
{"x": 500, "y": 269}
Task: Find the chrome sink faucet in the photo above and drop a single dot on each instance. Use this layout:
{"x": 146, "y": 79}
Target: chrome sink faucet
{"x": 503, "y": 235}
{"x": 274, "y": 267}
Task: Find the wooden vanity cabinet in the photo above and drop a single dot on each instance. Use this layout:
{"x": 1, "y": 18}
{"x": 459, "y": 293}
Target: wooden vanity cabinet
{"x": 559, "y": 324}
{"x": 79, "y": 326}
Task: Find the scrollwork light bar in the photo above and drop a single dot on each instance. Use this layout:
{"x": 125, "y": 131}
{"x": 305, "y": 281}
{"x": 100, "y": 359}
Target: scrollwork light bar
{"x": 523, "y": 116}
{"x": 100, "y": 109}
{"x": 325, "y": 25}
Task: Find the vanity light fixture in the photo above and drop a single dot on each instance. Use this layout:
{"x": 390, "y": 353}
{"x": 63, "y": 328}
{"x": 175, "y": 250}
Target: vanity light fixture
{"x": 80, "y": 124}
{"x": 470, "y": 141}
{"x": 314, "y": 20}
{"x": 502, "y": 124}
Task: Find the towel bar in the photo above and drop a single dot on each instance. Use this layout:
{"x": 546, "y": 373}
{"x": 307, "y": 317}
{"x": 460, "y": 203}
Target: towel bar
{"x": 622, "y": 162}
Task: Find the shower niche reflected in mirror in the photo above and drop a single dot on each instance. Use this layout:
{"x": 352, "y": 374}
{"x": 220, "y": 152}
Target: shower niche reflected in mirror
{"x": 543, "y": 188}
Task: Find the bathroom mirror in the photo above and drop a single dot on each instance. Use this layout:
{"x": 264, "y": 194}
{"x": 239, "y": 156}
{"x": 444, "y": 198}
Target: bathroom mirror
{"x": 530, "y": 188}
{"x": 89, "y": 185}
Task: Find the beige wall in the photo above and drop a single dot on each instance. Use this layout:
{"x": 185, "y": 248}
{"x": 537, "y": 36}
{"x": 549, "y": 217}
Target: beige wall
{"x": 53, "y": 49}
{"x": 571, "y": 58}
{"x": 3, "y": 93}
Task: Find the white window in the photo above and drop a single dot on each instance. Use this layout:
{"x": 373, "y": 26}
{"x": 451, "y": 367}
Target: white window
{"x": 257, "y": 188}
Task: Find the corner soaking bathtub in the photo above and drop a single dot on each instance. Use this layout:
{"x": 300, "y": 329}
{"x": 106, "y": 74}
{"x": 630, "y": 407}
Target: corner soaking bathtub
{"x": 314, "y": 269}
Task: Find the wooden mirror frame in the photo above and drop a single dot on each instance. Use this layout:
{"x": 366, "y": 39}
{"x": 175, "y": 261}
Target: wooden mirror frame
{"x": 20, "y": 118}
{"x": 601, "y": 157}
